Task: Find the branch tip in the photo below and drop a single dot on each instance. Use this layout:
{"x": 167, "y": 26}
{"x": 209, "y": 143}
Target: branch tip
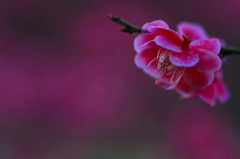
{"x": 128, "y": 28}
{"x": 114, "y": 18}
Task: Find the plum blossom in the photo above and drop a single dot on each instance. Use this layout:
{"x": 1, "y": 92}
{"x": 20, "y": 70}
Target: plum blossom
{"x": 185, "y": 60}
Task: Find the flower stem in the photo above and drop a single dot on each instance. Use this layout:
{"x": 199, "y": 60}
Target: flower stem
{"x": 129, "y": 28}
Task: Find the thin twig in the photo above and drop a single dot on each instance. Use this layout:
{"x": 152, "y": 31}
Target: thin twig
{"x": 129, "y": 28}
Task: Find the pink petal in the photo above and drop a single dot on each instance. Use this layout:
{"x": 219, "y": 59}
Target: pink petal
{"x": 185, "y": 58}
{"x": 212, "y": 45}
{"x": 192, "y": 30}
{"x": 222, "y": 42}
{"x": 224, "y": 59}
{"x": 143, "y": 41}
{"x": 209, "y": 94}
{"x": 167, "y": 38}
{"x": 197, "y": 79}
{"x": 164, "y": 82}
{"x": 223, "y": 91}
{"x": 145, "y": 57}
{"x": 156, "y": 23}
{"x": 167, "y": 43}
{"x": 184, "y": 89}
{"x": 218, "y": 75}
{"x": 208, "y": 61}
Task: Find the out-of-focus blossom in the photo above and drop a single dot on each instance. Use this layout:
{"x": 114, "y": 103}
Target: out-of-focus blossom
{"x": 195, "y": 131}
{"x": 186, "y": 60}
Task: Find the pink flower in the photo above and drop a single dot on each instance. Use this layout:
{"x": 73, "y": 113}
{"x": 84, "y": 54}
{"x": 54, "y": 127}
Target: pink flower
{"x": 175, "y": 58}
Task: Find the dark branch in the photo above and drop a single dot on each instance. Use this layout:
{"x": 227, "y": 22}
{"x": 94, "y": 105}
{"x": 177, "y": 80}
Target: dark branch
{"x": 228, "y": 50}
{"x": 129, "y": 28}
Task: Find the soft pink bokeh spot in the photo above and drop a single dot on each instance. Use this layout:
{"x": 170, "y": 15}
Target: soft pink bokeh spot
{"x": 197, "y": 132}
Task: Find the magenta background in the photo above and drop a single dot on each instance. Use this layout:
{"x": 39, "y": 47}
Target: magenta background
{"x": 69, "y": 87}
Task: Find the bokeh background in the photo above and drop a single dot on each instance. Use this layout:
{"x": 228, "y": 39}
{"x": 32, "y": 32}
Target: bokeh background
{"x": 69, "y": 87}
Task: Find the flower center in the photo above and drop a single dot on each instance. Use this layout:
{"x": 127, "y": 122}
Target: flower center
{"x": 186, "y": 42}
{"x": 165, "y": 67}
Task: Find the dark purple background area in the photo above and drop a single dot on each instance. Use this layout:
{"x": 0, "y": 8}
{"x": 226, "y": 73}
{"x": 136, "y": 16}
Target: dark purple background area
{"x": 69, "y": 87}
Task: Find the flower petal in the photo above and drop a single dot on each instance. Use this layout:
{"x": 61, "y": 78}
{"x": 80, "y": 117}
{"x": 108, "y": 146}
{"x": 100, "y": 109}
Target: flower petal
{"x": 143, "y": 59}
{"x": 167, "y": 43}
{"x": 197, "y": 79}
{"x": 167, "y": 38}
{"x": 222, "y": 42}
{"x": 192, "y": 30}
{"x": 222, "y": 90}
{"x": 184, "y": 89}
{"x": 143, "y": 41}
{"x": 185, "y": 58}
{"x": 209, "y": 94}
{"x": 212, "y": 45}
{"x": 165, "y": 82}
{"x": 208, "y": 61}
{"x": 156, "y": 23}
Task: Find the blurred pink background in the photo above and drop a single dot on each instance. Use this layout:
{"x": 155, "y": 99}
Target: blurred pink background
{"x": 69, "y": 87}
